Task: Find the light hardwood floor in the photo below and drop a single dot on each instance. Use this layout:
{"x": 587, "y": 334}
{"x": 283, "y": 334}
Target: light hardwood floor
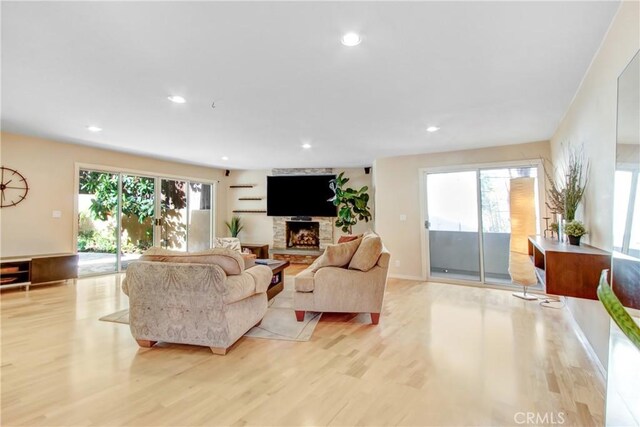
{"x": 441, "y": 355}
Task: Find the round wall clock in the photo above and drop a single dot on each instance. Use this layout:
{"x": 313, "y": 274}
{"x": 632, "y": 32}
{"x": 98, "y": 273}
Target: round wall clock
{"x": 13, "y": 187}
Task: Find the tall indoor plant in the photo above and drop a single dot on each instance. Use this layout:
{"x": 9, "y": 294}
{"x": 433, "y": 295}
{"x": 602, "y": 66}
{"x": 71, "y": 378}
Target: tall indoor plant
{"x": 353, "y": 205}
{"x": 566, "y": 187}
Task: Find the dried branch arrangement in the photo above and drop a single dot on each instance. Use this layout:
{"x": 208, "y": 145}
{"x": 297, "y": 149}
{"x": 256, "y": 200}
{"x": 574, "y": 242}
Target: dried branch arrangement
{"x": 566, "y": 190}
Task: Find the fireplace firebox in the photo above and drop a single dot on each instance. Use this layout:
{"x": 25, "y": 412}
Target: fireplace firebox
{"x": 303, "y": 234}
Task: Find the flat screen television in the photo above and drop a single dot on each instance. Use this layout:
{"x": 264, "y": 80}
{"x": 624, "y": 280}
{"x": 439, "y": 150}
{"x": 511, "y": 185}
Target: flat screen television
{"x": 300, "y": 195}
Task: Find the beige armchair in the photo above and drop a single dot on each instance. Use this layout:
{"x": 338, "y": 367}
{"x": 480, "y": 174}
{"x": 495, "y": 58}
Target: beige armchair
{"x": 205, "y": 299}
{"x": 341, "y": 290}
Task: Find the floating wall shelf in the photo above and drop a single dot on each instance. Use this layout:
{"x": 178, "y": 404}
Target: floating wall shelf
{"x": 242, "y": 186}
{"x": 249, "y": 211}
{"x": 250, "y": 198}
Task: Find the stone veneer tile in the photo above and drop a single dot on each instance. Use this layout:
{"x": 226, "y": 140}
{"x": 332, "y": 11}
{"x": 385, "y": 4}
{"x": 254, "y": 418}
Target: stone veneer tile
{"x": 279, "y": 229}
{"x": 302, "y": 171}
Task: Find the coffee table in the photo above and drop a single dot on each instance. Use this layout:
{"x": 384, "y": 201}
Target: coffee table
{"x": 277, "y": 282}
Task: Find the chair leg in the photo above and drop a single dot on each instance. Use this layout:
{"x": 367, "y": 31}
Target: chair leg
{"x": 146, "y": 343}
{"x": 299, "y": 316}
{"x": 375, "y": 318}
{"x": 220, "y": 351}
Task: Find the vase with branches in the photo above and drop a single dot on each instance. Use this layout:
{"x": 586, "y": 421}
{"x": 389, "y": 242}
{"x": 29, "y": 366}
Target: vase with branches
{"x": 353, "y": 205}
{"x": 567, "y": 186}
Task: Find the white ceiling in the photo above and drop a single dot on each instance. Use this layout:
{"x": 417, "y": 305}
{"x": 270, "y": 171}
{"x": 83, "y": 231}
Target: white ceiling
{"x": 487, "y": 73}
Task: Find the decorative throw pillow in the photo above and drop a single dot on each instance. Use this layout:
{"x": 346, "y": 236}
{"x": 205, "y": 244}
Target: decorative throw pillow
{"x": 337, "y": 255}
{"x": 227, "y": 242}
{"x": 349, "y": 237}
{"x": 366, "y": 257}
{"x": 229, "y": 260}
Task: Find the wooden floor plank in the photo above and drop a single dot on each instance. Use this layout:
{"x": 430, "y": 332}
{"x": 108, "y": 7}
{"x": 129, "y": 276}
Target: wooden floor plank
{"x": 441, "y": 355}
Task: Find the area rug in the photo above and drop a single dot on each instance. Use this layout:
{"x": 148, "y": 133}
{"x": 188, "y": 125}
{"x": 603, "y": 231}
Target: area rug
{"x": 121, "y": 316}
{"x": 278, "y": 324}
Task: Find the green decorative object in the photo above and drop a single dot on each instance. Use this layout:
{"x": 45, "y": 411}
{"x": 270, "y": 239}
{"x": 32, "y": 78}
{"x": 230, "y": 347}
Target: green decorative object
{"x": 352, "y": 204}
{"x": 234, "y": 226}
{"x": 575, "y": 230}
{"x": 617, "y": 311}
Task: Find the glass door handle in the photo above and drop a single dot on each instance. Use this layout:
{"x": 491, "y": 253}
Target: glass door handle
{"x": 427, "y": 224}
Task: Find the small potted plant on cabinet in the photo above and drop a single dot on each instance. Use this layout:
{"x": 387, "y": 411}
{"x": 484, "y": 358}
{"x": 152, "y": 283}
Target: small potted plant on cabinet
{"x": 575, "y": 230}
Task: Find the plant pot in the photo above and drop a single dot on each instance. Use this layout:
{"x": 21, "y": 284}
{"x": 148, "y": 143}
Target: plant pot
{"x": 574, "y": 240}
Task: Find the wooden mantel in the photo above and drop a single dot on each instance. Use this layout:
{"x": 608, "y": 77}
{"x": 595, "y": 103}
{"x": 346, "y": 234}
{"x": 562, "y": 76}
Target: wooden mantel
{"x": 568, "y": 270}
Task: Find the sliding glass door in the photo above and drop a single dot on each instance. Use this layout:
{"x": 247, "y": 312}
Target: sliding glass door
{"x": 136, "y": 217}
{"x": 496, "y": 219}
{"x": 199, "y": 217}
{"x": 185, "y": 213}
{"x": 454, "y": 242}
{"x": 468, "y": 223}
{"x": 97, "y": 239}
{"x": 121, "y": 215}
{"x": 173, "y": 214}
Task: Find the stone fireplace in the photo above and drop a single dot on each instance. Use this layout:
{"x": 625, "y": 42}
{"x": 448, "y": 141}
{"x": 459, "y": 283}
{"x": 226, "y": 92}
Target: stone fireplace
{"x": 302, "y": 234}
{"x": 301, "y": 240}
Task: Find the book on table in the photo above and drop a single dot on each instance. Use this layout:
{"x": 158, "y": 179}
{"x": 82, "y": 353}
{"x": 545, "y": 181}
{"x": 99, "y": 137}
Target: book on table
{"x": 265, "y": 261}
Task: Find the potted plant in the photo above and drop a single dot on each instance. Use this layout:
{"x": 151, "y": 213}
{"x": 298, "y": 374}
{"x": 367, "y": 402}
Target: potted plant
{"x": 352, "y": 204}
{"x": 575, "y": 230}
{"x": 234, "y": 226}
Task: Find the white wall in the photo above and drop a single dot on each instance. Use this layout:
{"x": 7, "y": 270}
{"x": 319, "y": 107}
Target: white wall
{"x": 258, "y": 228}
{"x": 49, "y": 168}
{"x": 591, "y": 121}
{"x": 397, "y": 184}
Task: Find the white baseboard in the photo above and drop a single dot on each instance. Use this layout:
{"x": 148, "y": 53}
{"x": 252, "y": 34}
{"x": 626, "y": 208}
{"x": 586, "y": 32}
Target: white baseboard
{"x": 406, "y": 277}
{"x": 591, "y": 353}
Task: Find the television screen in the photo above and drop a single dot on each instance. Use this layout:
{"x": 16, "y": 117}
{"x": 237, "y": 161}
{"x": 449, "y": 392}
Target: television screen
{"x": 300, "y": 195}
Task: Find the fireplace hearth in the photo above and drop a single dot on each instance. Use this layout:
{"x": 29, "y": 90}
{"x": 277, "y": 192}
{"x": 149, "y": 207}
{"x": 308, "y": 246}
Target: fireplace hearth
{"x": 303, "y": 234}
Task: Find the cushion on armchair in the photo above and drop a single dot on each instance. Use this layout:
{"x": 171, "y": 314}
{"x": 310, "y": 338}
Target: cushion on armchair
{"x": 253, "y": 281}
{"x": 229, "y": 260}
{"x": 366, "y": 257}
{"x": 348, "y": 238}
{"x": 337, "y": 255}
{"x": 305, "y": 281}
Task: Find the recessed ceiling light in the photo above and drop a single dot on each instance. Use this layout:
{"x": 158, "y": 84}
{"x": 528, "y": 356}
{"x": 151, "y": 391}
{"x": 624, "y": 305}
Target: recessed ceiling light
{"x": 306, "y": 146}
{"x": 351, "y": 39}
{"x": 433, "y": 129}
{"x": 225, "y": 158}
{"x": 177, "y": 99}
{"x": 94, "y": 128}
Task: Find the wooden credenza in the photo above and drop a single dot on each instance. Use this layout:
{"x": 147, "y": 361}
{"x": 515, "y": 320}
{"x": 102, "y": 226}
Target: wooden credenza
{"x": 38, "y": 269}
{"x": 568, "y": 270}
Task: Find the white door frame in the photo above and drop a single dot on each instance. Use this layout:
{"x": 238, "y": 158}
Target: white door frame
{"x": 425, "y": 248}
